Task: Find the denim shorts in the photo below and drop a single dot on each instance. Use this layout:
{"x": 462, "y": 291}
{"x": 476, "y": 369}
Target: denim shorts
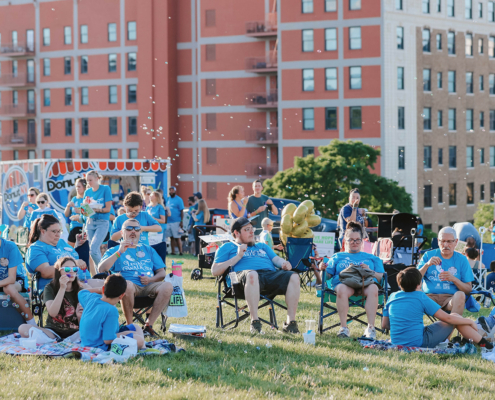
{"x": 436, "y": 333}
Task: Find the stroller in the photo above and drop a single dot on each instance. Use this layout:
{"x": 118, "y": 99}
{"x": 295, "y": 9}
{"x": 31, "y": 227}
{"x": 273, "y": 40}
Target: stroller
{"x": 205, "y": 261}
{"x": 404, "y": 236}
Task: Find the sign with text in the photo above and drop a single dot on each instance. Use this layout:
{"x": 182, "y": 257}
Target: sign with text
{"x": 325, "y": 243}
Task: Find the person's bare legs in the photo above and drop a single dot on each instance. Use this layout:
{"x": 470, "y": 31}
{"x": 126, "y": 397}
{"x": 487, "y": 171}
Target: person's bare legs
{"x": 371, "y": 293}
{"x": 292, "y": 297}
{"x": 252, "y": 294}
{"x": 179, "y": 244}
{"x": 24, "y": 331}
{"x": 127, "y": 302}
{"x": 138, "y": 335}
{"x": 457, "y": 303}
{"x": 162, "y": 299}
{"x": 467, "y": 331}
{"x": 343, "y": 294}
{"x": 172, "y": 245}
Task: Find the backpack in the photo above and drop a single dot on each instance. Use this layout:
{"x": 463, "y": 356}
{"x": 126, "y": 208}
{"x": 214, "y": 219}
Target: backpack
{"x": 357, "y": 277}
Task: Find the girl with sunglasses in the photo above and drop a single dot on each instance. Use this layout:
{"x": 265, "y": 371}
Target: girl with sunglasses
{"x": 73, "y": 211}
{"x": 43, "y": 207}
{"x": 28, "y": 207}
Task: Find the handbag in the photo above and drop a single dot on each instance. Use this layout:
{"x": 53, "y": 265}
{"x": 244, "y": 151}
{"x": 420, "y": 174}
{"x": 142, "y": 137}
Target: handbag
{"x": 357, "y": 277}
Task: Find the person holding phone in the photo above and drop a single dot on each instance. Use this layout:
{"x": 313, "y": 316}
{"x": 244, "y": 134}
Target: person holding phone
{"x": 351, "y": 212}
{"x": 73, "y": 211}
{"x": 28, "y": 207}
{"x": 258, "y": 206}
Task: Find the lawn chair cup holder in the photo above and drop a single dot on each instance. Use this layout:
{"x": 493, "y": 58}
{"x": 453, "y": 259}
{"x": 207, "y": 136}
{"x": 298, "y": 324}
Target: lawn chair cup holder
{"x": 205, "y": 261}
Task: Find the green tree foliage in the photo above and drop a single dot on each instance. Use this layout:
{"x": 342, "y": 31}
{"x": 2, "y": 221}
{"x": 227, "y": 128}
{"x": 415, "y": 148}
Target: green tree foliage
{"x": 328, "y": 178}
{"x": 483, "y": 217}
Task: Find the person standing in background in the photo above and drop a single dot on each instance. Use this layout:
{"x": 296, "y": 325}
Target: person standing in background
{"x": 350, "y": 212}
{"x": 258, "y": 205}
{"x": 237, "y": 202}
{"x": 201, "y": 216}
{"x": 73, "y": 211}
{"x": 174, "y": 223}
{"x": 28, "y": 207}
{"x": 157, "y": 210}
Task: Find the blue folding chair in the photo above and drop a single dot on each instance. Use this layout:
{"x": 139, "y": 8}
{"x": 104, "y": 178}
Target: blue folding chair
{"x": 298, "y": 252}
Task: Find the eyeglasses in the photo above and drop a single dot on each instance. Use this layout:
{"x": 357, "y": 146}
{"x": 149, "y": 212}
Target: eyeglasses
{"x": 249, "y": 230}
{"x": 68, "y": 269}
{"x": 133, "y": 212}
{"x": 59, "y": 231}
{"x": 32, "y": 195}
{"x": 41, "y": 202}
{"x": 447, "y": 241}
{"x": 351, "y": 241}
{"x": 133, "y": 228}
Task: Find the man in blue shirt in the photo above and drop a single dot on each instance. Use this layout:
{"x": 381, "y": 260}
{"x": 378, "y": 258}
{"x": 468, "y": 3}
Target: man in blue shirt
{"x": 255, "y": 265}
{"x": 174, "y": 222}
{"x": 144, "y": 271}
{"x": 447, "y": 275}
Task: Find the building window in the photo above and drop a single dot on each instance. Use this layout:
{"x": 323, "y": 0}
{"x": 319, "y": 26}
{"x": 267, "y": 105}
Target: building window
{"x": 492, "y": 157}
{"x": 450, "y": 8}
{"x": 112, "y": 94}
{"x": 355, "y": 77}
{"x": 68, "y": 127}
{"x": 112, "y": 126}
{"x": 131, "y": 93}
{"x": 68, "y": 96}
{"x": 426, "y": 40}
{"x": 15, "y": 97}
{"x": 439, "y": 80}
{"x": 491, "y": 83}
{"x": 112, "y": 32}
{"x": 451, "y": 42}
{"x": 47, "y": 154}
{"x": 482, "y": 192}
{"x": 46, "y": 67}
{"x": 427, "y": 80}
{"x": 132, "y": 125}
{"x": 131, "y": 61}
{"x": 400, "y": 37}
{"x": 331, "y": 78}
{"x": 440, "y": 118}
{"x": 469, "y": 44}
{"x": 211, "y": 52}
{"x": 426, "y": 7}
{"x": 330, "y": 118}
{"x": 439, "y": 41}
{"x": 482, "y": 156}
{"x": 84, "y": 64}
{"x": 491, "y": 11}
{"x": 114, "y": 154}
{"x": 440, "y": 156}
{"x": 402, "y": 157}
{"x": 468, "y": 9}
{"x": 84, "y": 127}
{"x": 440, "y": 195}
{"x": 398, "y": 4}
{"x": 401, "y": 115}
{"x": 469, "y": 157}
{"x": 112, "y": 63}
{"x": 481, "y": 83}
{"x": 307, "y": 6}
{"x": 355, "y": 38}
{"x": 211, "y": 155}
{"x": 452, "y": 119}
{"x": 482, "y": 119}
{"x": 308, "y": 151}
{"x": 308, "y": 80}
{"x": 307, "y": 40}
{"x": 354, "y": 4}
{"x": 469, "y": 120}
{"x": 452, "y": 156}
{"x": 211, "y": 121}
{"x": 47, "y": 130}
{"x": 492, "y": 120}
{"x": 330, "y": 39}
{"x": 133, "y": 154}
{"x": 84, "y": 96}
{"x": 211, "y": 86}
{"x": 67, "y": 35}
{"x": 330, "y": 5}
{"x": 480, "y": 45}
{"x": 491, "y": 46}
{"x": 427, "y": 118}
{"x": 31, "y": 154}
{"x": 400, "y": 78}
{"x": 46, "y": 97}
{"x": 452, "y": 194}
{"x": 131, "y": 30}
{"x": 480, "y": 10}
{"x": 355, "y": 117}
{"x": 84, "y": 34}
{"x": 427, "y": 196}
{"x": 211, "y": 190}
{"x": 210, "y": 18}
{"x": 46, "y": 36}
{"x": 308, "y": 119}
{"x": 451, "y": 86}
{"x": 427, "y": 157}
{"x": 67, "y": 65}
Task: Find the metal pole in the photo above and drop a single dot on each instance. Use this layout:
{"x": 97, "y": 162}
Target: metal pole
{"x": 413, "y": 234}
{"x": 482, "y": 232}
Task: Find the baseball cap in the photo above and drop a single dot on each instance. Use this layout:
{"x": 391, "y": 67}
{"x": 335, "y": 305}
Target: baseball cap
{"x": 198, "y": 195}
{"x": 240, "y": 223}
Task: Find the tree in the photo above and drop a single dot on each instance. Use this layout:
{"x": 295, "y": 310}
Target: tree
{"x": 483, "y": 217}
{"x": 328, "y": 178}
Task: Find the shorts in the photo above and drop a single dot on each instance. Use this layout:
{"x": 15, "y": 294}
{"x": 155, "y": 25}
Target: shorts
{"x": 73, "y": 232}
{"x": 441, "y": 299}
{"x": 436, "y": 333}
{"x": 173, "y": 230}
{"x": 271, "y": 282}
{"x": 149, "y": 290}
{"x": 107, "y": 238}
{"x": 125, "y": 328}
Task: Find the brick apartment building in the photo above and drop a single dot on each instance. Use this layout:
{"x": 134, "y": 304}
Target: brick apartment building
{"x": 232, "y": 90}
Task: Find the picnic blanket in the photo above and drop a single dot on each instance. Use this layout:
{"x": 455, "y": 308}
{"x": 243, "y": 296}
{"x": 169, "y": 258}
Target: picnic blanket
{"x": 10, "y": 345}
{"x": 387, "y": 345}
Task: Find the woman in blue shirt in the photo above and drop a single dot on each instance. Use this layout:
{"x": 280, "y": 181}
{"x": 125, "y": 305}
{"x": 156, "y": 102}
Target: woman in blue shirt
{"x": 350, "y": 212}
{"x": 28, "y": 207}
{"x": 353, "y": 241}
{"x": 237, "y": 202}
{"x": 43, "y": 208}
{"x": 100, "y": 199}
{"x": 73, "y": 211}
{"x": 201, "y": 216}
{"x": 156, "y": 209}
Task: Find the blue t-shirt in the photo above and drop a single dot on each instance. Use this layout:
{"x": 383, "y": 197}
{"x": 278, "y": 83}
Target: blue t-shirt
{"x": 40, "y": 252}
{"x": 176, "y": 205}
{"x": 405, "y": 311}
{"x": 493, "y": 235}
{"x": 143, "y": 218}
{"x": 341, "y": 261}
{"x": 99, "y": 321}
{"x": 143, "y": 260}
{"x": 77, "y": 201}
{"x": 39, "y": 212}
{"x": 101, "y": 196}
{"x": 256, "y": 257}
{"x": 11, "y": 256}
{"x": 201, "y": 218}
{"x": 156, "y": 212}
{"x": 346, "y": 212}
{"x": 27, "y": 217}
{"x": 457, "y": 265}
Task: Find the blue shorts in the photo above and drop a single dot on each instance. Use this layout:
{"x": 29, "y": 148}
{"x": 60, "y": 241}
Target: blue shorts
{"x": 125, "y": 328}
{"x": 436, "y": 333}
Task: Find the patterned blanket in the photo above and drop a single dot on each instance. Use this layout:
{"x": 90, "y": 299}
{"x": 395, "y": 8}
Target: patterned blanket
{"x": 387, "y": 345}
{"x": 10, "y": 345}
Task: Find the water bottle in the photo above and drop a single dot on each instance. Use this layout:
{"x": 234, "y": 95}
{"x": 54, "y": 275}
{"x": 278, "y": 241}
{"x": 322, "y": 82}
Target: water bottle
{"x": 488, "y": 299}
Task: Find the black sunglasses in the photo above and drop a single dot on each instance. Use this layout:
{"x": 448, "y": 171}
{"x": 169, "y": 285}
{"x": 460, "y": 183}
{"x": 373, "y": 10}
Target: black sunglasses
{"x": 133, "y": 228}
{"x": 41, "y": 202}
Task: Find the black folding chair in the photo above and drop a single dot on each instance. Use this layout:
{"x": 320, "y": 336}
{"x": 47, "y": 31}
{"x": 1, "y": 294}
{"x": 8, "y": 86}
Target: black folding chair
{"x": 405, "y": 236}
{"x": 37, "y": 304}
{"x": 205, "y": 261}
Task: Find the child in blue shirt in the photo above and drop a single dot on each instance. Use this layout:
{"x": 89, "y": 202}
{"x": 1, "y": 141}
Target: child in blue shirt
{"x": 403, "y": 315}
{"x": 99, "y": 324}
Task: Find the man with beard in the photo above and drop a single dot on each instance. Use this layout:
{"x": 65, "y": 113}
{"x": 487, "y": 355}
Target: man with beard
{"x": 174, "y": 222}
{"x": 144, "y": 271}
{"x": 259, "y": 271}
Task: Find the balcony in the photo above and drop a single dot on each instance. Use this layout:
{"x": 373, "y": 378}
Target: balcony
{"x": 17, "y": 50}
{"x": 267, "y": 64}
{"x": 17, "y": 80}
{"x": 18, "y": 110}
{"x": 263, "y": 171}
{"x": 263, "y": 29}
{"x": 262, "y": 136}
{"x": 19, "y": 140}
{"x": 262, "y": 100}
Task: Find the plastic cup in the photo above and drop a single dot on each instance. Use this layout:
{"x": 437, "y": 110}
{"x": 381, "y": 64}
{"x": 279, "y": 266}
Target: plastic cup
{"x": 310, "y": 325}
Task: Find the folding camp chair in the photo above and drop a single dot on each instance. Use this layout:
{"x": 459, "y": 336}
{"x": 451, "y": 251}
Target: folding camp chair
{"x": 298, "y": 252}
{"x": 227, "y": 296}
{"x": 205, "y": 261}
{"x": 37, "y": 304}
{"x": 406, "y": 236}
{"x": 329, "y": 297}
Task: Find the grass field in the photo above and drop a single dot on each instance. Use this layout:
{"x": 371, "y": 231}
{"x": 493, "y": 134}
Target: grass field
{"x": 235, "y": 365}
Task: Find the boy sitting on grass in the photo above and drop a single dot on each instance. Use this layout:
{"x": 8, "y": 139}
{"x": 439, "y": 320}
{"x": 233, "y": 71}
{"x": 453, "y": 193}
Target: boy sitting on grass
{"x": 99, "y": 324}
{"x": 404, "y": 311}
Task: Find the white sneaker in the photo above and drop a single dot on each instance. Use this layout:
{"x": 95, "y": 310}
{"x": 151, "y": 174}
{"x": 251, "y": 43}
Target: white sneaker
{"x": 344, "y": 332}
{"x": 370, "y": 333}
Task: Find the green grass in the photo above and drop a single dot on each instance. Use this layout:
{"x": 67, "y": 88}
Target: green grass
{"x": 227, "y": 364}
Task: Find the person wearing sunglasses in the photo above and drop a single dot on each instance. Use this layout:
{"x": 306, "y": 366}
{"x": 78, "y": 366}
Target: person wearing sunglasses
{"x": 144, "y": 271}
{"x": 353, "y": 237}
{"x": 133, "y": 204}
{"x": 43, "y": 207}
{"x": 73, "y": 211}
{"x": 28, "y": 207}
